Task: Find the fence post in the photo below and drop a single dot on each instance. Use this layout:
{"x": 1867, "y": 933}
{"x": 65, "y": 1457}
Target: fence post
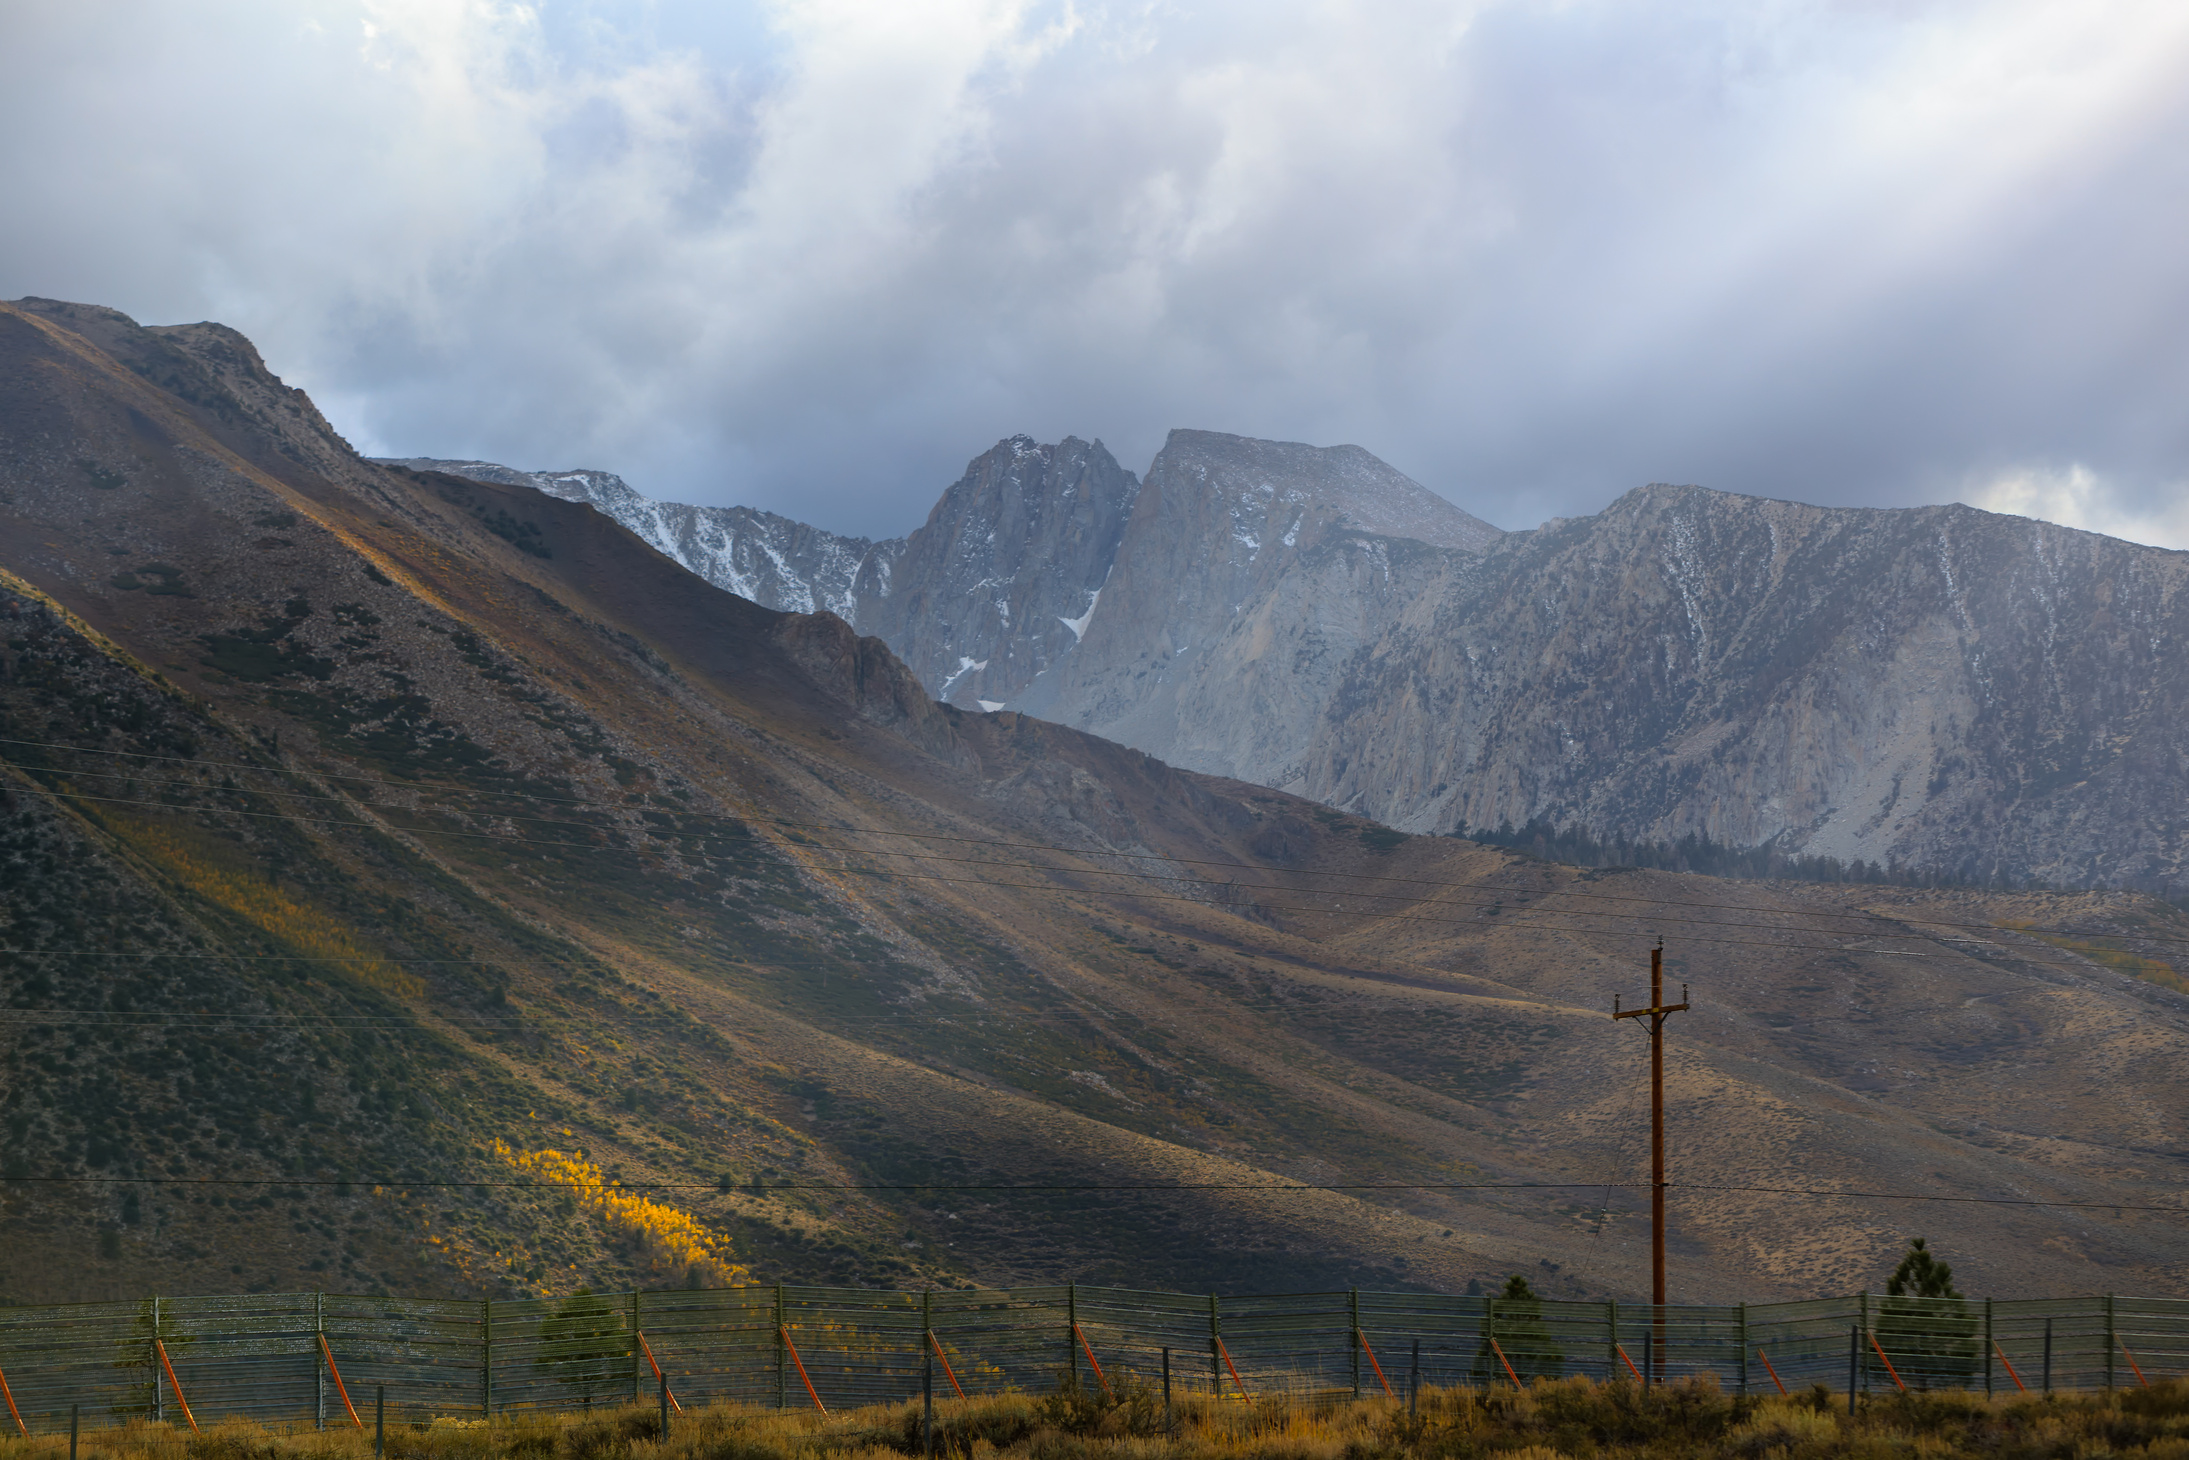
{"x": 1353, "y": 1318}
{"x": 634, "y": 1351}
{"x": 1854, "y": 1350}
{"x": 1989, "y": 1343}
{"x": 379, "y": 1421}
{"x": 1071, "y": 1331}
{"x": 1166, "y": 1392}
{"x": 780, "y": 1320}
{"x": 1864, "y": 1300}
{"x": 74, "y": 1410}
{"x": 1216, "y": 1370}
{"x": 1611, "y": 1342}
{"x": 319, "y": 1368}
{"x": 1744, "y": 1348}
{"x": 2112, "y": 1340}
{"x": 152, "y": 1356}
{"x": 486, "y": 1358}
{"x": 665, "y": 1406}
{"x": 1489, "y": 1335}
{"x": 2048, "y": 1356}
{"x": 1413, "y": 1381}
{"x": 1649, "y": 1355}
{"x": 927, "y": 1372}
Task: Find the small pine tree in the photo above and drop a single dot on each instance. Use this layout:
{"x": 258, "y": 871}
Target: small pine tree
{"x": 1925, "y": 1324}
{"x": 1515, "y": 1318}
{"x": 583, "y": 1347}
{"x": 1921, "y": 1274}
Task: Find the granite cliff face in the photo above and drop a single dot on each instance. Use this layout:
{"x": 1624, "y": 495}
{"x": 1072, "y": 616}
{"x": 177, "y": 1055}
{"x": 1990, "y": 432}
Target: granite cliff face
{"x": 1250, "y": 572}
{"x": 1003, "y": 578}
{"x": 1938, "y": 686}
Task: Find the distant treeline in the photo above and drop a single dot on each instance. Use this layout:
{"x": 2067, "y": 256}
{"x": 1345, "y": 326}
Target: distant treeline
{"x": 1577, "y": 846}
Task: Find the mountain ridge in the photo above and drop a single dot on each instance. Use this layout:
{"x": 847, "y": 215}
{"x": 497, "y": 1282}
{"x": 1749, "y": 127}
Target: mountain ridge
{"x": 2015, "y": 722}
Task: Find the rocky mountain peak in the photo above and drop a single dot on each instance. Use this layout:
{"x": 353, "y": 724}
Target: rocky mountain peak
{"x": 1278, "y": 490}
{"x": 1005, "y": 575}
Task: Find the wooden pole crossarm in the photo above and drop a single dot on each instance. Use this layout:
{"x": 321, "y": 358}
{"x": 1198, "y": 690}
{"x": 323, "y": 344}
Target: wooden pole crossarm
{"x": 1618, "y": 1013}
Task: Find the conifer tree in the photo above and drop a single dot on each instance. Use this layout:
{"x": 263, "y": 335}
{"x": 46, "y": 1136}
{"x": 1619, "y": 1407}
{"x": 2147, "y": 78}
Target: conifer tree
{"x": 1921, "y": 1274}
{"x": 1933, "y": 1343}
{"x": 1515, "y": 1319}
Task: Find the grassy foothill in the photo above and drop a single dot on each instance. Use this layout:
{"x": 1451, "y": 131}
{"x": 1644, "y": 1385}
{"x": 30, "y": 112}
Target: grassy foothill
{"x": 1574, "y": 1418}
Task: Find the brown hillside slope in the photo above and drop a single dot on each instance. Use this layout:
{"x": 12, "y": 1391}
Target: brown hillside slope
{"x": 485, "y": 823}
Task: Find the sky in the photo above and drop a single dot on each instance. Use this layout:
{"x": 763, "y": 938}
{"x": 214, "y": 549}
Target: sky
{"x": 813, "y": 255}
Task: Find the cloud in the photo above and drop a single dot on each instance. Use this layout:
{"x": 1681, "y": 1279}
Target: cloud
{"x": 2075, "y": 496}
{"x": 814, "y": 254}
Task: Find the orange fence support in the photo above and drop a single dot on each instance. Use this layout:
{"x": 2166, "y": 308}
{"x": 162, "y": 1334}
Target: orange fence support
{"x": 792, "y": 1349}
{"x": 23, "y": 1430}
{"x": 1637, "y": 1373}
{"x": 2140, "y": 1379}
{"x": 1234, "y": 1371}
{"x": 1088, "y": 1349}
{"x": 1774, "y": 1373}
{"x": 339, "y": 1387}
{"x": 2017, "y": 1378}
{"x": 1888, "y": 1362}
{"x": 176, "y": 1385}
{"x": 1386, "y": 1383}
{"x": 648, "y": 1350}
{"x": 947, "y": 1372}
{"x": 1508, "y": 1363}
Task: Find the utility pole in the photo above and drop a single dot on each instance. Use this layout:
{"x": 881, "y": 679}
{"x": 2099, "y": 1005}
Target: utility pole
{"x": 1657, "y": 1012}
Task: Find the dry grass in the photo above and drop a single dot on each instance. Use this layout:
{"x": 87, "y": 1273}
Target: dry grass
{"x": 1573, "y": 1418}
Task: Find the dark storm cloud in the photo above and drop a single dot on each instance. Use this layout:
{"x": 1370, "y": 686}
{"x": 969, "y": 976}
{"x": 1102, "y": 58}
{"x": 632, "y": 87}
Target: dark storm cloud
{"x": 814, "y": 255}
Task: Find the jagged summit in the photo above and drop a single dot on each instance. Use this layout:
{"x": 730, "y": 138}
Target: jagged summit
{"x": 1280, "y": 485}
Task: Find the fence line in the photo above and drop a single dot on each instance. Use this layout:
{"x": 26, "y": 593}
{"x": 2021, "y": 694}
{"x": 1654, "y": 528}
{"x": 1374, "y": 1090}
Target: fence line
{"x": 267, "y": 1356}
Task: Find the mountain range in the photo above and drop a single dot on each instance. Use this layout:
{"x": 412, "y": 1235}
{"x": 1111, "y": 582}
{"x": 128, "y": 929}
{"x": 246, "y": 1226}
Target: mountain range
{"x": 412, "y": 881}
{"x": 1939, "y": 689}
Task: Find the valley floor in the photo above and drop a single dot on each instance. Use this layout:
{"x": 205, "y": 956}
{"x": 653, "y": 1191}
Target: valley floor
{"x": 1563, "y": 1418}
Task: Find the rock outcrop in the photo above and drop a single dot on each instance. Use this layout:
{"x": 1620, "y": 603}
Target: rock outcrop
{"x": 1003, "y": 578}
{"x": 1250, "y": 573}
{"x": 1936, "y": 686}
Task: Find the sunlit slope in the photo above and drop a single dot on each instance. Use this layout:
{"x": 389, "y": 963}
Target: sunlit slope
{"x": 590, "y": 856}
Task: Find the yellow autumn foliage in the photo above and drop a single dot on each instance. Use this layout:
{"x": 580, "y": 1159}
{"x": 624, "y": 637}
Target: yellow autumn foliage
{"x": 676, "y": 1239}
{"x": 199, "y": 866}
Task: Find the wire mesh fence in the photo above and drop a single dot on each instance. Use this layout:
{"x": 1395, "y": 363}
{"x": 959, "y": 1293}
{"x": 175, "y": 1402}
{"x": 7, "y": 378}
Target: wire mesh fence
{"x": 325, "y": 1358}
